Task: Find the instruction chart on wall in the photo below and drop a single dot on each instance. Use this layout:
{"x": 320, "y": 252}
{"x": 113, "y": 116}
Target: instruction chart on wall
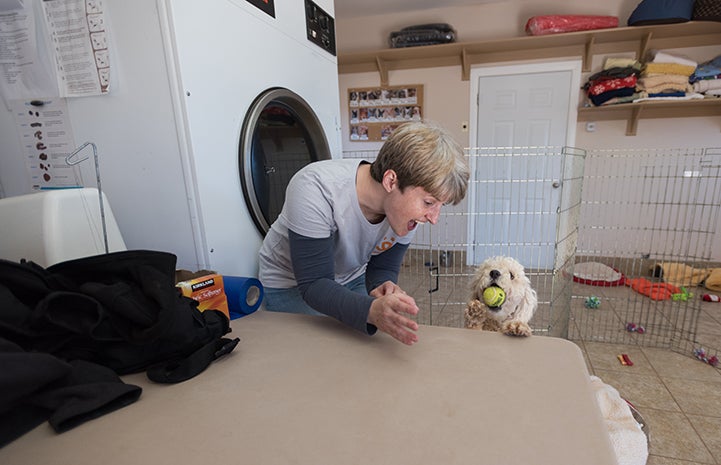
{"x": 46, "y": 140}
{"x": 79, "y": 36}
{"x": 23, "y": 72}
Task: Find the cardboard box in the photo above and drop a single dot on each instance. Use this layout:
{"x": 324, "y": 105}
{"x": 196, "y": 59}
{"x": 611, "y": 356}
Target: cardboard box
{"x": 208, "y": 291}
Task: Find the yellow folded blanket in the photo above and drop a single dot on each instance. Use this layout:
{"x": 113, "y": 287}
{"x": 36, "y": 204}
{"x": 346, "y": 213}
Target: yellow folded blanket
{"x": 668, "y": 68}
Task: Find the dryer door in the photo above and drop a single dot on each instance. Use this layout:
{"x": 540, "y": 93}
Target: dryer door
{"x": 281, "y": 134}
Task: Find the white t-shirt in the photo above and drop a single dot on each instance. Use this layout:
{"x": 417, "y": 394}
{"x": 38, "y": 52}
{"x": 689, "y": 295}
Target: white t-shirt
{"x": 320, "y": 201}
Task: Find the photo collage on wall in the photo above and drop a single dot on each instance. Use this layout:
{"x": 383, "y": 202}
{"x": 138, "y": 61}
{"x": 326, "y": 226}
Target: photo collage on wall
{"x": 376, "y": 111}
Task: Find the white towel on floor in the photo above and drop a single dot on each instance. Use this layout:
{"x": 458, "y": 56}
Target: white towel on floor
{"x": 628, "y": 440}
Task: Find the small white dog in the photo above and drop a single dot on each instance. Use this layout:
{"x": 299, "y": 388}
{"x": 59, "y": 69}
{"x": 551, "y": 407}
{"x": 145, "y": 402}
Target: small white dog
{"x": 513, "y": 315}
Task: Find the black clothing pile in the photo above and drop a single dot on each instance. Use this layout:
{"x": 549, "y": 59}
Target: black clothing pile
{"x": 67, "y": 332}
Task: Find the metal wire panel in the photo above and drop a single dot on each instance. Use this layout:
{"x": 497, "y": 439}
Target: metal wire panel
{"x": 643, "y": 211}
{"x": 551, "y": 208}
{"x": 522, "y": 202}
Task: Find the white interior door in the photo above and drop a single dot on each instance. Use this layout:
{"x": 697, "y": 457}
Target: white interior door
{"x": 521, "y": 117}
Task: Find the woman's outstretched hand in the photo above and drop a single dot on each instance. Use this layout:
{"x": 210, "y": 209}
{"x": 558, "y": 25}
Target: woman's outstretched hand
{"x": 388, "y": 312}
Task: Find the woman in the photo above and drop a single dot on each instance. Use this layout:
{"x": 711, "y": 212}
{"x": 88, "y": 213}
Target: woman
{"x": 337, "y": 246}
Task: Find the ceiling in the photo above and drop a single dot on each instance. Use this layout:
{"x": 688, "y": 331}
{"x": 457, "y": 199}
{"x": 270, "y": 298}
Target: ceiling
{"x": 355, "y": 8}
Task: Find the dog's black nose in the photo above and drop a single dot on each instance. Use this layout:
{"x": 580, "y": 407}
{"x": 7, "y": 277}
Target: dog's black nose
{"x": 495, "y": 274}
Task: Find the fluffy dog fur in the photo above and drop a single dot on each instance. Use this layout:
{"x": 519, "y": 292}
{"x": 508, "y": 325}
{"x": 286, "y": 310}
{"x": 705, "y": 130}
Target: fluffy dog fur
{"x": 513, "y": 315}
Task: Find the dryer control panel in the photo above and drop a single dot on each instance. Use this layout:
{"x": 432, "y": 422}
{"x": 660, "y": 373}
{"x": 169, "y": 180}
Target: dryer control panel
{"x": 320, "y": 27}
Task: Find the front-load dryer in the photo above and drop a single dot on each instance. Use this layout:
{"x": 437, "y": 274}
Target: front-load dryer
{"x": 260, "y": 100}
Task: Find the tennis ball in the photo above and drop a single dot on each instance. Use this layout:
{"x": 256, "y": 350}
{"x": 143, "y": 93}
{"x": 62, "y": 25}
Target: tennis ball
{"x": 494, "y": 296}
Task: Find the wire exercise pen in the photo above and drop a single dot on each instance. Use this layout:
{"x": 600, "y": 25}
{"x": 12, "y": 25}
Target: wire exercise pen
{"x": 646, "y": 211}
{"x": 552, "y": 208}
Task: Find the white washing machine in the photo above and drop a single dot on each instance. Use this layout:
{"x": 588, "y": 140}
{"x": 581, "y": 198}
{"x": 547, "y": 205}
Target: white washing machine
{"x": 214, "y": 104}
{"x": 259, "y": 86}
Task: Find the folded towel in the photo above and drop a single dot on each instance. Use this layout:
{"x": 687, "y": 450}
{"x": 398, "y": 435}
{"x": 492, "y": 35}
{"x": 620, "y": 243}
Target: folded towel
{"x": 668, "y": 68}
{"x": 627, "y": 438}
{"x": 673, "y": 96}
{"x": 618, "y": 62}
{"x": 600, "y": 87}
{"x": 653, "y": 80}
{"x": 600, "y": 99}
{"x": 706, "y": 85}
{"x": 659, "y": 56}
{"x": 676, "y": 89}
{"x": 628, "y": 99}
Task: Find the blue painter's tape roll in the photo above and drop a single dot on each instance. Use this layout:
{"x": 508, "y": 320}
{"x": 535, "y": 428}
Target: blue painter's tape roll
{"x": 244, "y": 295}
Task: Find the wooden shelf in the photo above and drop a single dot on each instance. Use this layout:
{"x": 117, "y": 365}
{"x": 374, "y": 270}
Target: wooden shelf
{"x": 584, "y": 44}
{"x": 632, "y": 112}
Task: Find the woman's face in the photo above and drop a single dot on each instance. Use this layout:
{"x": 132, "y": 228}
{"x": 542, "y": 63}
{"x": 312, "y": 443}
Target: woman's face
{"x": 405, "y": 209}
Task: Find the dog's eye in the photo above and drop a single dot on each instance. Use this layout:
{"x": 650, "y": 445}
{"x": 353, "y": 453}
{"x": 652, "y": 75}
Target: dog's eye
{"x": 512, "y": 276}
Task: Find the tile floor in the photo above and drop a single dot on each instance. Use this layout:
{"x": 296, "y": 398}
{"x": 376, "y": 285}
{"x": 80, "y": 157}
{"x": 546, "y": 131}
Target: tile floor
{"x": 678, "y": 396}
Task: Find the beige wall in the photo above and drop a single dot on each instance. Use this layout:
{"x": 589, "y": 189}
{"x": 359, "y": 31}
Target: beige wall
{"x": 447, "y": 99}
{"x": 500, "y": 19}
{"x": 446, "y": 96}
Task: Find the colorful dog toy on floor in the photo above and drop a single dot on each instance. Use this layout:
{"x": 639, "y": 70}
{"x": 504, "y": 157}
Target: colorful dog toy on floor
{"x": 634, "y": 328}
{"x": 682, "y": 296}
{"x": 593, "y": 302}
{"x": 701, "y": 355}
{"x": 710, "y": 298}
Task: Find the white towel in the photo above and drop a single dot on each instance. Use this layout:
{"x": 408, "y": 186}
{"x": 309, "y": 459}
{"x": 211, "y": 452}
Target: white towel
{"x": 628, "y": 440}
{"x": 660, "y": 56}
{"x": 706, "y": 85}
{"x": 688, "y": 96}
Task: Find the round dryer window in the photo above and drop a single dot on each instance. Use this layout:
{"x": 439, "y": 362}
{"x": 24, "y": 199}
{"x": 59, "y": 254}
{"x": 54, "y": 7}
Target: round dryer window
{"x": 281, "y": 134}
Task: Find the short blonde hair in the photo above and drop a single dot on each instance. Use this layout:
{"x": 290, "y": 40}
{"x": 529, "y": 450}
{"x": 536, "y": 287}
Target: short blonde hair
{"x": 424, "y": 155}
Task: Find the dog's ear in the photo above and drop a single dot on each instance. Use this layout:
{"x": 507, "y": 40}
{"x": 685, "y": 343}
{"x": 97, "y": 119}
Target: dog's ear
{"x": 527, "y": 306}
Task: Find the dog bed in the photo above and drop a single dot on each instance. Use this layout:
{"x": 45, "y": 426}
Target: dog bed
{"x": 680, "y": 274}
{"x": 713, "y": 282}
{"x": 597, "y": 274}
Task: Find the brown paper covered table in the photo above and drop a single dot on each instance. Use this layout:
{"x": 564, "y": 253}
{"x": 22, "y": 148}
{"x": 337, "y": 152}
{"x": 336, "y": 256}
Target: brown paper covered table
{"x": 307, "y": 390}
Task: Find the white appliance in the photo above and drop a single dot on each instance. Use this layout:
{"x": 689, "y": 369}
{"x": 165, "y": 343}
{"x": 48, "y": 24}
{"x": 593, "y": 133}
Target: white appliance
{"x": 177, "y": 134}
{"x": 57, "y": 225}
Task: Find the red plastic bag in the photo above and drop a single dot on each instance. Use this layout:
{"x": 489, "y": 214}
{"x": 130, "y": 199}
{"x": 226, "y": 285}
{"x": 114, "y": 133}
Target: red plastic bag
{"x": 553, "y": 24}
